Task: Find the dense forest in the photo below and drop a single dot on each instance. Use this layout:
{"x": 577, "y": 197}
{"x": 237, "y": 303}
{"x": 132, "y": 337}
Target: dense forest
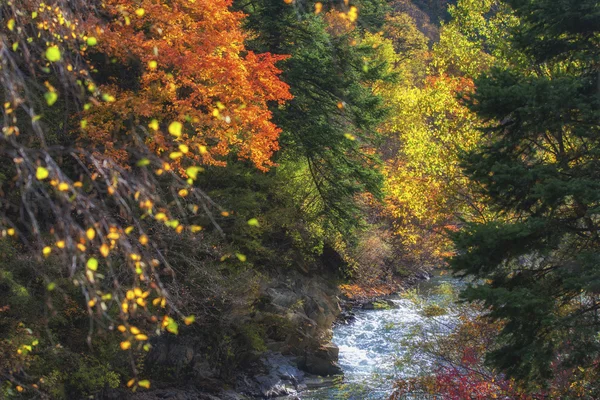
{"x": 193, "y": 193}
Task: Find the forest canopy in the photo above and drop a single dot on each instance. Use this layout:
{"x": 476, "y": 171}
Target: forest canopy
{"x": 165, "y": 166}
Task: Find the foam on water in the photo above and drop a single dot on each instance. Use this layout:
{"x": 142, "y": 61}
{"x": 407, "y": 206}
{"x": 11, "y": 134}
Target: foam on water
{"x": 371, "y": 345}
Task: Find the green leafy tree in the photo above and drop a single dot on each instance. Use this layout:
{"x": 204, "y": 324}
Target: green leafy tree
{"x": 536, "y": 261}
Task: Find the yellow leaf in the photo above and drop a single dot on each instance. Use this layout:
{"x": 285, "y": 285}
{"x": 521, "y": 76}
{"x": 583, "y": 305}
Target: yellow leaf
{"x": 144, "y": 240}
{"x": 130, "y": 382}
{"x": 113, "y": 236}
{"x": 152, "y": 65}
{"x": 46, "y": 251}
{"x": 134, "y": 330}
{"x": 109, "y": 98}
{"x": 141, "y": 337}
{"x": 184, "y": 148}
{"x": 63, "y": 186}
{"x": 183, "y": 192}
{"x": 60, "y": 244}
{"x": 122, "y": 328}
{"x": 175, "y": 128}
{"x": 125, "y": 345}
{"x": 189, "y": 320}
{"x": 90, "y": 233}
{"x": 195, "y": 228}
{"x": 153, "y": 125}
{"x": 192, "y": 172}
{"x": 10, "y": 231}
{"x": 41, "y": 173}
{"x": 145, "y": 384}
{"x": 175, "y": 155}
{"x": 140, "y": 12}
{"x": 10, "y": 24}
{"x": 104, "y": 250}
{"x": 240, "y": 257}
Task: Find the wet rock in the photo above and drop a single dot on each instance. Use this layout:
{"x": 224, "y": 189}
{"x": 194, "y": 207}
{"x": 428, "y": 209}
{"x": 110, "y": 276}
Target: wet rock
{"x": 380, "y": 304}
{"x": 423, "y": 275}
{"x": 346, "y": 317}
{"x": 281, "y": 377}
{"x": 318, "y": 382}
{"x": 323, "y": 361}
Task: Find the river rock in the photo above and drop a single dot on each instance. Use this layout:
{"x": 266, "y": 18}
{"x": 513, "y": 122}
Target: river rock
{"x": 380, "y": 304}
{"x": 322, "y": 361}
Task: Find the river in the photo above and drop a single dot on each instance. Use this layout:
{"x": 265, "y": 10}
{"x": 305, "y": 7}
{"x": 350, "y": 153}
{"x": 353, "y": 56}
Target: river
{"x": 373, "y": 346}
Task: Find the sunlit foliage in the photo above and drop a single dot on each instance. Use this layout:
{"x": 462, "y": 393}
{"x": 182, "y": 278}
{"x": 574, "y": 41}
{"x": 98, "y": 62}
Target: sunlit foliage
{"x": 110, "y": 109}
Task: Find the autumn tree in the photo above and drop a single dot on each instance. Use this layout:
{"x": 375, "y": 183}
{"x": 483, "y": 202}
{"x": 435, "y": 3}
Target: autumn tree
{"x": 110, "y": 110}
{"x": 430, "y": 125}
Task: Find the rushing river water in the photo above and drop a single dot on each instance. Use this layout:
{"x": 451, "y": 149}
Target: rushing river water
{"x": 372, "y": 346}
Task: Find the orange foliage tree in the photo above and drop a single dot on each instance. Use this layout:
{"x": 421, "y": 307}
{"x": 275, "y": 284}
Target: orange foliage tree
{"x": 189, "y": 65}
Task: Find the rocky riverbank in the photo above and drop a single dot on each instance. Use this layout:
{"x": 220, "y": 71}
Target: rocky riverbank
{"x": 297, "y": 355}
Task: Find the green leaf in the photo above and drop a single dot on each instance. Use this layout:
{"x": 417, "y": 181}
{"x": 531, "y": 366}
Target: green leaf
{"x": 53, "y": 54}
{"x": 241, "y": 257}
{"x": 172, "y": 326}
{"x": 145, "y": 384}
{"x": 143, "y": 162}
{"x": 51, "y": 98}
{"x": 92, "y": 41}
{"x": 253, "y": 222}
{"x": 92, "y": 264}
